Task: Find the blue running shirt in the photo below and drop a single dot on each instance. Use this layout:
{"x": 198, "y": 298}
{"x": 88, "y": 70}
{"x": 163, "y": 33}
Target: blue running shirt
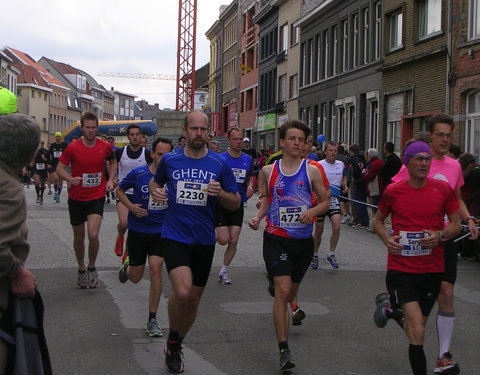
{"x": 242, "y": 170}
{"x": 190, "y": 216}
{"x": 290, "y": 195}
{"x": 138, "y": 179}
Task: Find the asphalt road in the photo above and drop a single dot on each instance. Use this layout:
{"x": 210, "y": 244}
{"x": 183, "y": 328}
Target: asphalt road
{"x": 102, "y": 331}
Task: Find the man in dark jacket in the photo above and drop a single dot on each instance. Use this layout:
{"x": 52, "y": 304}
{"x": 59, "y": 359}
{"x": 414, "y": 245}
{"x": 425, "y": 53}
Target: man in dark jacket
{"x": 18, "y": 144}
{"x": 392, "y": 164}
{"x": 358, "y": 186}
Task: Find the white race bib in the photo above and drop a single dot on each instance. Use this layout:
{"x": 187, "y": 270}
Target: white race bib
{"x": 40, "y": 166}
{"x": 192, "y": 193}
{"x": 290, "y": 216}
{"x": 154, "y": 206}
{"x": 240, "y": 175}
{"x": 91, "y": 179}
{"x": 333, "y": 203}
{"x": 411, "y": 244}
{"x": 57, "y": 154}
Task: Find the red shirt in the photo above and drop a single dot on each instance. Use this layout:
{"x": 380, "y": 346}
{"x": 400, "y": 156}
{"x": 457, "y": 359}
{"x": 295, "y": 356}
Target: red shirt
{"x": 87, "y": 163}
{"x": 412, "y": 211}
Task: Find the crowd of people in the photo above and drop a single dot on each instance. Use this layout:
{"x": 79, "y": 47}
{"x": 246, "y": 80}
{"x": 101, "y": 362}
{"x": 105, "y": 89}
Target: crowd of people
{"x": 175, "y": 203}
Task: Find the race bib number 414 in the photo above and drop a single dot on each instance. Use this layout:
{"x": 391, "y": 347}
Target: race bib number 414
{"x": 192, "y": 193}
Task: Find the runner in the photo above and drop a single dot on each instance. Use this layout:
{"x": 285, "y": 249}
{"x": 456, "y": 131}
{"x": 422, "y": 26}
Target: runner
{"x": 229, "y": 223}
{"x": 39, "y": 171}
{"x": 55, "y": 150}
{"x": 287, "y": 240}
{"x": 145, "y": 220}
{"x": 444, "y": 168}
{"x": 415, "y": 249}
{"x": 335, "y": 170}
{"x": 194, "y": 179}
{"x": 129, "y": 157}
{"x": 86, "y": 194}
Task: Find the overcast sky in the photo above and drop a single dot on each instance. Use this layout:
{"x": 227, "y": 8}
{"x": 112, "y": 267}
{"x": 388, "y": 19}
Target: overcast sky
{"x": 125, "y": 36}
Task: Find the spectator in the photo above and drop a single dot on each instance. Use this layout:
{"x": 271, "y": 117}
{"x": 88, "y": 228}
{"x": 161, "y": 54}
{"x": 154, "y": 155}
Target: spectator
{"x": 182, "y": 141}
{"x": 214, "y": 146}
{"x": 248, "y": 150}
{"x": 374, "y": 184}
{"x": 392, "y": 164}
{"x": 454, "y": 151}
{"x": 358, "y": 187}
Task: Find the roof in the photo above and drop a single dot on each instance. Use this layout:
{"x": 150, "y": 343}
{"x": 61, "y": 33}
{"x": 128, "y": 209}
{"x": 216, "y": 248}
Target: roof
{"x": 26, "y": 60}
{"x": 62, "y": 67}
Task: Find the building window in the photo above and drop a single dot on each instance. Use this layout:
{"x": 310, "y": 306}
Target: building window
{"x": 294, "y": 34}
{"x": 365, "y": 36}
{"x": 322, "y": 119}
{"x": 355, "y": 41}
{"x": 472, "y": 132}
{"x": 342, "y": 124}
{"x": 345, "y": 46}
{"x": 373, "y": 129}
{"x": 318, "y": 41}
{"x": 303, "y": 49}
{"x": 335, "y": 49}
{"x": 249, "y": 100}
{"x": 378, "y": 28}
{"x": 33, "y": 94}
{"x": 474, "y": 19}
{"x": 351, "y": 125}
{"x": 282, "y": 88}
{"x": 293, "y": 86}
{"x": 311, "y": 66}
{"x": 393, "y": 133}
{"x": 283, "y": 38}
{"x": 333, "y": 121}
{"x": 326, "y": 54}
{"x": 395, "y": 30}
{"x": 430, "y": 17}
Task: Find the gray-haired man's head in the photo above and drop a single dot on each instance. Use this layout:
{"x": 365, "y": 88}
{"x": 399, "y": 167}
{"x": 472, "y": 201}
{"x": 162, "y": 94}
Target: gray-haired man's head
{"x": 19, "y": 140}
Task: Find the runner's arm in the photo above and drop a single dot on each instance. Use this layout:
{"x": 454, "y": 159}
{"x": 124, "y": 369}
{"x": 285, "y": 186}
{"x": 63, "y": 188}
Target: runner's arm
{"x": 135, "y": 209}
{"x": 391, "y": 242}
{"x": 61, "y": 172}
{"x": 465, "y": 215}
{"x": 112, "y": 172}
{"x": 263, "y": 193}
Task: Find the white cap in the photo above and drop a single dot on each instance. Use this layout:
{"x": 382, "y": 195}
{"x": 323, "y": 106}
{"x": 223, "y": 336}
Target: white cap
{"x": 246, "y": 139}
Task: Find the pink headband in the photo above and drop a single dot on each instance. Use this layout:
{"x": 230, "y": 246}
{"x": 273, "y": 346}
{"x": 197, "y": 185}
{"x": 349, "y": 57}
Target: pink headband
{"x": 413, "y": 149}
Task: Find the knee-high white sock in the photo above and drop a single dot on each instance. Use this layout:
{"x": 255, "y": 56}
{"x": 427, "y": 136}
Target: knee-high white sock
{"x": 445, "y": 324}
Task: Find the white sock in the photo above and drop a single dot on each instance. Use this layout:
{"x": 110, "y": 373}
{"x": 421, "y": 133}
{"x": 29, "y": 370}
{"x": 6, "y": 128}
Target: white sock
{"x": 330, "y": 253}
{"x": 224, "y": 269}
{"x": 445, "y": 323}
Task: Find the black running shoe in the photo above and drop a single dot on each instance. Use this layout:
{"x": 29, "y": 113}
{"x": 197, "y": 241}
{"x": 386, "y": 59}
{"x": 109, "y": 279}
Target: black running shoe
{"x": 286, "y": 361}
{"x": 173, "y": 357}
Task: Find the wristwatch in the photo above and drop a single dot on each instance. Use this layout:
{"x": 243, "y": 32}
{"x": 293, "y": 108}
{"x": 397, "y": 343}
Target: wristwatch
{"x": 471, "y": 218}
{"x": 441, "y": 233}
{"x": 260, "y": 196}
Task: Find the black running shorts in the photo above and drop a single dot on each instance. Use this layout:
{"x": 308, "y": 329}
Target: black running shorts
{"x": 142, "y": 245}
{"x": 406, "y": 287}
{"x": 198, "y": 258}
{"x": 287, "y": 256}
{"x": 227, "y": 218}
{"x": 450, "y": 274}
{"x": 79, "y": 210}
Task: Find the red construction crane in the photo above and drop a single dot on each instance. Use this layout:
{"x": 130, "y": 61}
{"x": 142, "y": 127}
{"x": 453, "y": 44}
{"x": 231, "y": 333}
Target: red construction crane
{"x": 187, "y": 30}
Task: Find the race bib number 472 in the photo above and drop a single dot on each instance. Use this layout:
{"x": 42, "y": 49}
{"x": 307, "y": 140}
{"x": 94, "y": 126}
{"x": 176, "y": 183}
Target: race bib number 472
{"x": 290, "y": 216}
{"x": 192, "y": 193}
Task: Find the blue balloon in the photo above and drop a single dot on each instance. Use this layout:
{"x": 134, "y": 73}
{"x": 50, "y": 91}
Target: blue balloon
{"x": 320, "y": 138}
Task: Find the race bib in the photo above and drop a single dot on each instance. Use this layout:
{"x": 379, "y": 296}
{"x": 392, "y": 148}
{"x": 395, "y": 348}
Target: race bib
{"x": 333, "y": 203}
{"x": 40, "y": 166}
{"x": 154, "y": 206}
{"x": 91, "y": 179}
{"x": 290, "y": 216}
{"x": 57, "y": 154}
{"x": 192, "y": 193}
{"x": 240, "y": 175}
{"x": 411, "y": 244}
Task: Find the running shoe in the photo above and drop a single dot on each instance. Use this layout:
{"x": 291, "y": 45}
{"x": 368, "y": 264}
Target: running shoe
{"x": 38, "y": 200}
{"x": 224, "y": 278}
{"x": 271, "y": 286}
{"x": 173, "y": 357}
{"x": 82, "y": 280}
{"x": 380, "y": 316}
{"x": 153, "y": 328}
{"x": 332, "y": 261}
{"x": 119, "y": 246}
{"x": 359, "y": 226}
{"x": 314, "y": 264}
{"x": 286, "y": 361}
{"x": 124, "y": 257}
{"x": 55, "y": 196}
{"x": 122, "y": 272}
{"x": 108, "y": 201}
{"x": 345, "y": 219}
{"x": 297, "y": 316}
{"x": 446, "y": 365}
{"x": 92, "y": 276}
{"x": 49, "y": 192}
